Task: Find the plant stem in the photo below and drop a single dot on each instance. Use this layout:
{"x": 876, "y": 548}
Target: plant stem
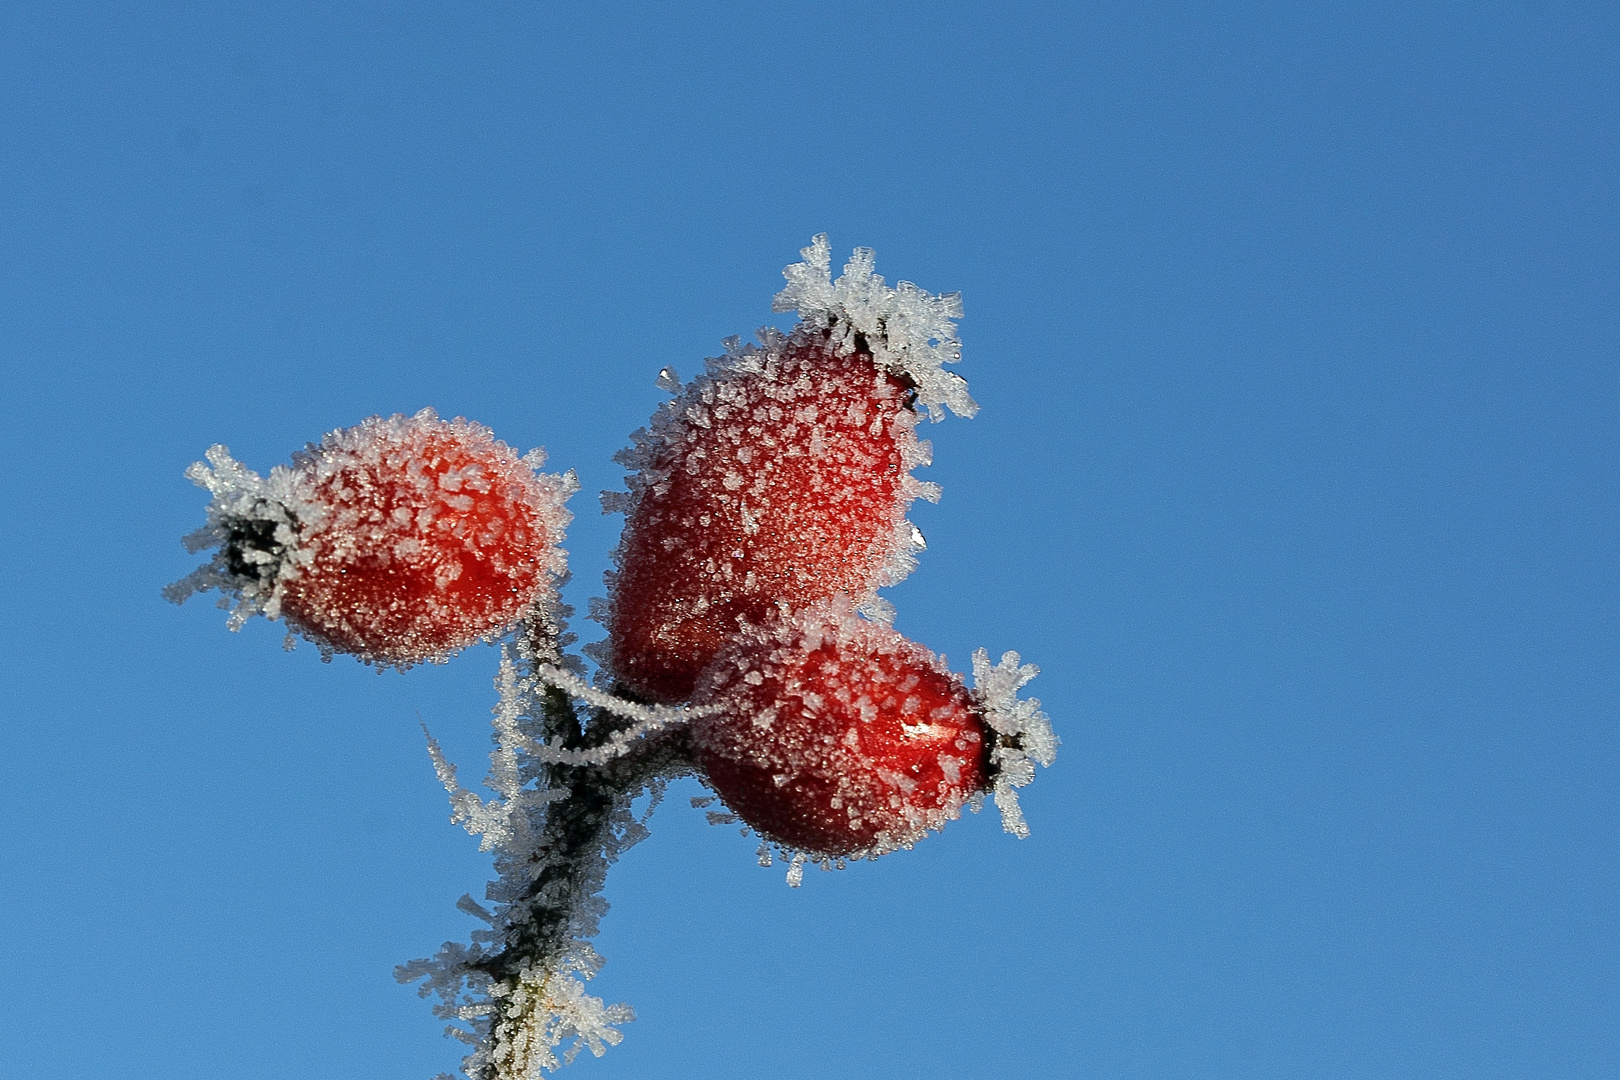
{"x": 580, "y": 834}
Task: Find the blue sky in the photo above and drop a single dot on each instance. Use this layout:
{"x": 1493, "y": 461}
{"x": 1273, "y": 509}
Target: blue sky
{"x": 1295, "y": 332}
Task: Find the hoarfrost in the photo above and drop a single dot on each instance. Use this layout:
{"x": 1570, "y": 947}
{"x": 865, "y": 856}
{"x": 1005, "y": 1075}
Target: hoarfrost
{"x": 1024, "y": 733}
{"x": 906, "y": 329}
{"x": 560, "y": 814}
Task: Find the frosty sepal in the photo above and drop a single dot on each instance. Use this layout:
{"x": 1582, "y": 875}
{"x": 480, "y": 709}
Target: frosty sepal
{"x": 1022, "y": 733}
{"x": 907, "y": 330}
{"x": 254, "y": 522}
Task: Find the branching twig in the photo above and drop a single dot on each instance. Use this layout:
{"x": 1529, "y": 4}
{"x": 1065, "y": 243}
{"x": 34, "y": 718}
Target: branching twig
{"x": 562, "y": 816}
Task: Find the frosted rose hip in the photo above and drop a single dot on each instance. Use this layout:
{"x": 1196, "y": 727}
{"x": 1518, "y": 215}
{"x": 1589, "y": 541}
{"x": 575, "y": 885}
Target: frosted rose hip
{"x": 783, "y": 483}
{"x": 837, "y": 736}
{"x": 400, "y": 540}
{"x": 782, "y": 476}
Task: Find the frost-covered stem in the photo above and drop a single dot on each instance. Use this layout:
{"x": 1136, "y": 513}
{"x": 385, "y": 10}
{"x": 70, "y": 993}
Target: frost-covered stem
{"x": 540, "y": 926}
{"x": 539, "y": 929}
{"x": 565, "y": 780}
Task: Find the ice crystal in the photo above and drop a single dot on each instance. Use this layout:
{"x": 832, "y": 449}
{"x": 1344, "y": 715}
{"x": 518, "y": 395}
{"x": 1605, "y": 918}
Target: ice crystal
{"x": 905, "y": 328}
{"x": 560, "y": 814}
{"x": 1024, "y": 734}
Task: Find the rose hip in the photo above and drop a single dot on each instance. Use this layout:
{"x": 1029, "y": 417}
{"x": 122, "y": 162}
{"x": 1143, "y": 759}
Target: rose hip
{"x": 400, "y": 540}
{"x": 836, "y": 736}
{"x": 783, "y": 481}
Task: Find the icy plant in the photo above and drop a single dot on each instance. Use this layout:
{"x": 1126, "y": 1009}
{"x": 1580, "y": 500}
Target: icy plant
{"x": 836, "y": 735}
{"x": 746, "y": 643}
{"x": 400, "y": 540}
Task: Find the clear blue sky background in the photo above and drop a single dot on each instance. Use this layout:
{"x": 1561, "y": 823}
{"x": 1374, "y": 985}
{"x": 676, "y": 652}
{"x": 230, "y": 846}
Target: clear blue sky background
{"x": 1295, "y": 329}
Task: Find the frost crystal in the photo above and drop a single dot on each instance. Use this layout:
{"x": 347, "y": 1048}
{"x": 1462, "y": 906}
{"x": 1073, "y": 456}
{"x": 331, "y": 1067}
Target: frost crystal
{"x": 906, "y": 329}
{"x": 559, "y": 816}
{"x": 1024, "y": 734}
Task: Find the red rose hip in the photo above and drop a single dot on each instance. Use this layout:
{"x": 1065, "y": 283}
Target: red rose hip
{"x": 400, "y": 540}
{"x": 784, "y": 482}
{"x": 780, "y": 477}
{"x": 838, "y": 737}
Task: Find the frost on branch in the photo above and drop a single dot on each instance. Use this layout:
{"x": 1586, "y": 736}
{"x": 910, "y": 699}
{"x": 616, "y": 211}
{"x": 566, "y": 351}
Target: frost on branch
{"x": 559, "y": 816}
{"x": 1023, "y": 733}
{"x": 906, "y": 329}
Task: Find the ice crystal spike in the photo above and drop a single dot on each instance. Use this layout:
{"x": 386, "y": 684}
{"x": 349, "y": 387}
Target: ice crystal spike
{"x": 906, "y": 330}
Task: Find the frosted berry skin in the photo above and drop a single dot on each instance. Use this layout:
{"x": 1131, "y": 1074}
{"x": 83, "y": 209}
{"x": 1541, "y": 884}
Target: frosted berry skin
{"x": 781, "y": 477}
{"x": 427, "y": 535}
{"x": 399, "y": 540}
{"x": 785, "y": 484}
{"x": 838, "y": 737}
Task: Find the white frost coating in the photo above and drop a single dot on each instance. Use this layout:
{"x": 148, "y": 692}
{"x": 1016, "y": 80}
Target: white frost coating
{"x": 275, "y": 505}
{"x": 648, "y": 719}
{"x": 1024, "y": 733}
{"x": 907, "y": 329}
{"x": 517, "y": 1026}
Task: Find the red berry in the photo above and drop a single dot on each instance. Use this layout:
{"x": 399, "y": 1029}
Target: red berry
{"x": 400, "y": 540}
{"x": 785, "y": 482}
{"x": 837, "y": 736}
{"x": 782, "y": 477}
